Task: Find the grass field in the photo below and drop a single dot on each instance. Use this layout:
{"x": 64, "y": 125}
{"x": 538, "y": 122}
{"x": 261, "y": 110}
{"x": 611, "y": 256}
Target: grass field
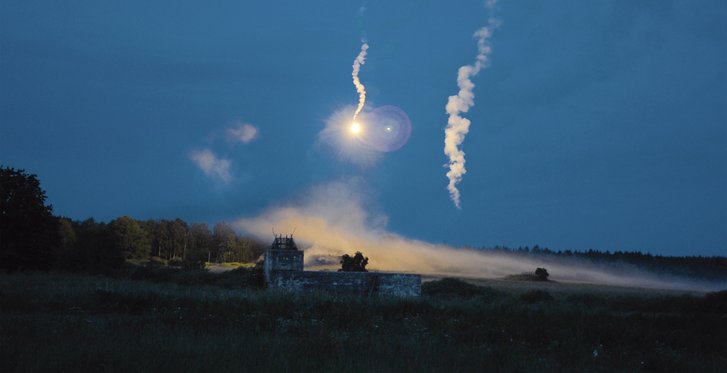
{"x": 75, "y": 322}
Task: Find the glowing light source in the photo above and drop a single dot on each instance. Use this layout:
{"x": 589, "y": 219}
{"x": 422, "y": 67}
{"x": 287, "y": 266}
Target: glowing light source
{"x": 355, "y": 128}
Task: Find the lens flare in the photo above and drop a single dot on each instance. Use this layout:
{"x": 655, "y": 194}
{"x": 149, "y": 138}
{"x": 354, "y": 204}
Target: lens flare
{"x": 355, "y": 128}
{"x": 388, "y": 128}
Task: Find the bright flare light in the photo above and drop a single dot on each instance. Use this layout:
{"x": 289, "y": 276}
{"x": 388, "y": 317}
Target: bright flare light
{"x": 355, "y": 128}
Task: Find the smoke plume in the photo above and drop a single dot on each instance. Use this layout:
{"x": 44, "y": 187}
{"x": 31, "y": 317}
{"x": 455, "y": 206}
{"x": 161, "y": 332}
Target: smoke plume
{"x": 331, "y": 221}
{"x": 360, "y": 60}
{"x": 458, "y": 126}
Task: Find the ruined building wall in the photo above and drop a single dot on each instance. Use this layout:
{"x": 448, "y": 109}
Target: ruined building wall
{"x": 284, "y": 270}
{"x": 355, "y": 283}
{"x": 282, "y": 260}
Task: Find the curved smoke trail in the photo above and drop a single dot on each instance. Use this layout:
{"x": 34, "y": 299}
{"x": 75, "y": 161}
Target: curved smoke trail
{"x": 458, "y": 126}
{"x": 360, "y": 60}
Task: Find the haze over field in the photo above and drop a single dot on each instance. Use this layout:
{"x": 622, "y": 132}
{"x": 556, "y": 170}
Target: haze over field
{"x": 330, "y": 221}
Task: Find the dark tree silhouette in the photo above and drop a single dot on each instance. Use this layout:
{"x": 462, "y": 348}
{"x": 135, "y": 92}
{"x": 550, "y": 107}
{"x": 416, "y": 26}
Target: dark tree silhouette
{"x": 129, "y": 237}
{"x": 29, "y": 233}
{"x": 356, "y": 263}
{"x": 200, "y": 242}
{"x": 96, "y": 246}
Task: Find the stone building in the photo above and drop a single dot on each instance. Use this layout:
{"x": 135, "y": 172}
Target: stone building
{"x": 283, "y": 269}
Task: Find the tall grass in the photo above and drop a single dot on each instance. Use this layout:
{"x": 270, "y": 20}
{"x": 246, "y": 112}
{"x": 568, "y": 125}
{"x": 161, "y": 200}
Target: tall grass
{"x": 71, "y": 322}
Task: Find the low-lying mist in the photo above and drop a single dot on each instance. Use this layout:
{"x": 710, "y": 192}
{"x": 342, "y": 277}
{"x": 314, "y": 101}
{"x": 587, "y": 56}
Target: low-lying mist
{"x": 332, "y": 221}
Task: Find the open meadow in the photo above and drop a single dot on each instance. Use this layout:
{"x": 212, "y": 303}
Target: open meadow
{"x": 197, "y": 321}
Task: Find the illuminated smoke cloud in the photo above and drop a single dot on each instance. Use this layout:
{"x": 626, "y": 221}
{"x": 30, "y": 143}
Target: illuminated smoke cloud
{"x": 331, "y": 221}
{"x": 458, "y": 126}
{"x": 360, "y": 60}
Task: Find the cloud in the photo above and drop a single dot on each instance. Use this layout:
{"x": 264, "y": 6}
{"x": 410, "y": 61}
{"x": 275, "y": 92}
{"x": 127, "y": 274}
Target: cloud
{"x": 243, "y": 133}
{"x": 331, "y": 221}
{"x": 215, "y": 167}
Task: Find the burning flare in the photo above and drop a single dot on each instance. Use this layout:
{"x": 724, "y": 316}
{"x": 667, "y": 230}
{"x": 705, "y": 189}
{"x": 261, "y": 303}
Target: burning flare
{"x": 360, "y": 60}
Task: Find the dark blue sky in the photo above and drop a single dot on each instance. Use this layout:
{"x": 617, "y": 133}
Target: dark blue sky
{"x": 599, "y": 124}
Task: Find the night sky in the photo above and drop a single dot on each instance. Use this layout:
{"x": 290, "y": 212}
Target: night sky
{"x": 596, "y": 124}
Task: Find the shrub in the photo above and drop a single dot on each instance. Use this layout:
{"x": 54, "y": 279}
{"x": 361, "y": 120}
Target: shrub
{"x": 245, "y": 277}
{"x": 156, "y": 261}
{"x": 542, "y": 274}
{"x": 356, "y": 263}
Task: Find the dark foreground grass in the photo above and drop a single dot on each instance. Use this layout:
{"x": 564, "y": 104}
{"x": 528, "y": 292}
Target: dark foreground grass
{"x": 65, "y": 322}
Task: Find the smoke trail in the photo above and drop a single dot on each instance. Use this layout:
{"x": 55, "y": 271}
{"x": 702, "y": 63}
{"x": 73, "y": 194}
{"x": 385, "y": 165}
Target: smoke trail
{"x": 360, "y": 20}
{"x": 458, "y": 126}
{"x": 360, "y": 60}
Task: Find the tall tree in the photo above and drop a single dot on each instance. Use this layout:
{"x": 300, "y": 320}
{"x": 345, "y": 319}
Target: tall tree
{"x": 225, "y": 242}
{"x": 66, "y": 254}
{"x": 199, "y": 246}
{"x": 130, "y": 238}
{"x": 173, "y": 237}
{"x": 151, "y": 227}
{"x": 28, "y": 231}
{"x": 164, "y": 239}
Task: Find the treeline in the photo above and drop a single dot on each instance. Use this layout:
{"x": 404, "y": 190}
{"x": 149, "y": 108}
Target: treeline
{"x": 704, "y": 267}
{"x": 90, "y": 244}
{"x": 32, "y": 237}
